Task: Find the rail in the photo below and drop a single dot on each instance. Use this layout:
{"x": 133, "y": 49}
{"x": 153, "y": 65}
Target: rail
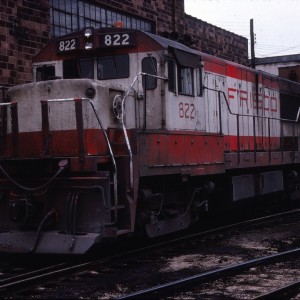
{"x": 170, "y": 287}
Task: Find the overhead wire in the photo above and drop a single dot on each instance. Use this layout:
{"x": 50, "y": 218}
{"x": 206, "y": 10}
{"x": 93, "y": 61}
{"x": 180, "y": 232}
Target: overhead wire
{"x": 261, "y": 49}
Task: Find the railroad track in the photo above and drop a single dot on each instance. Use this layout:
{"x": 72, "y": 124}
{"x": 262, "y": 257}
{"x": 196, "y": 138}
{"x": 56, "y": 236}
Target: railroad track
{"x": 17, "y": 282}
{"x": 187, "y": 282}
{"x": 285, "y": 292}
{"x": 91, "y": 275}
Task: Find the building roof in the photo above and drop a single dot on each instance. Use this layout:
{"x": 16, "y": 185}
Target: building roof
{"x": 277, "y": 59}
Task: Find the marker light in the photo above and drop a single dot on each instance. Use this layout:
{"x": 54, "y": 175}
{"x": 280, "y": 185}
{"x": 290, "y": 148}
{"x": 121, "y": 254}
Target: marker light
{"x": 88, "y": 46}
{"x": 88, "y": 32}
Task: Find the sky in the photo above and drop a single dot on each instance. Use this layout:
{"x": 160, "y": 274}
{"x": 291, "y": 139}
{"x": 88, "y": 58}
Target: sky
{"x": 276, "y": 22}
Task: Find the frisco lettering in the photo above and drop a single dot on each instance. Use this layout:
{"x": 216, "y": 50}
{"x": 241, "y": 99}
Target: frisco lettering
{"x": 249, "y": 99}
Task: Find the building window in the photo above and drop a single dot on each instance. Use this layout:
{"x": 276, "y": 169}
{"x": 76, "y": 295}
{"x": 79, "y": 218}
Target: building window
{"x": 293, "y": 75}
{"x": 71, "y": 15}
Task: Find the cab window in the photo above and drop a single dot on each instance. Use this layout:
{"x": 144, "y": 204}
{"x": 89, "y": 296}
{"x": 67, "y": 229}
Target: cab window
{"x": 185, "y": 81}
{"x": 171, "y": 75}
{"x": 199, "y": 87}
{"x": 78, "y": 68}
{"x": 45, "y": 73}
{"x": 149, "y": 66}
{"x": 187, "y": 63}
{"x": 113, "y": 67}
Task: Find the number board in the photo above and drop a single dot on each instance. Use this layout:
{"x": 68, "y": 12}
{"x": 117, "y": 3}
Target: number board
{"x": 117, "y": 39}
{"x": 67, "y": 45}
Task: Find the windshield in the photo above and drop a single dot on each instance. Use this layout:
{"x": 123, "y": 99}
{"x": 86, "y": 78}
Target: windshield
{"x": 112, "y": 67}
{"x": 78, "y": 68}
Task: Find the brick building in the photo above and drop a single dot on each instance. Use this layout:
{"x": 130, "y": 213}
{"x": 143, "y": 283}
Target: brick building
{"x": 27, "y": 25}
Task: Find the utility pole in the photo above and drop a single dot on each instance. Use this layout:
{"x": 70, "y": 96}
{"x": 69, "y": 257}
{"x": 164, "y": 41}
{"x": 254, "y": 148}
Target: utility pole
{"x": 252, "y": 44}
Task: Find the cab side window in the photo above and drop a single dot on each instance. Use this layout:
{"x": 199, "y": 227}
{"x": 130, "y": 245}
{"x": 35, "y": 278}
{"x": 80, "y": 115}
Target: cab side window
{"x": 149, "y": 66}
{"x": 199, "y": 88}
{"x": 187, "y": 64}
{"x": 45, "y": 73}
{"x": 185, "y": 81}
{"x": 171, "y": 75}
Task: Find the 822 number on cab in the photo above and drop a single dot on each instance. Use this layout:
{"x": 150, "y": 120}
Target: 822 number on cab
{"x": 117, "y": 39}
{"x": 67, "y": 45}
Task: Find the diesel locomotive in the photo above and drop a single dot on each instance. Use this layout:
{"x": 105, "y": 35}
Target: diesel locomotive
{"x": 124, "y": 132}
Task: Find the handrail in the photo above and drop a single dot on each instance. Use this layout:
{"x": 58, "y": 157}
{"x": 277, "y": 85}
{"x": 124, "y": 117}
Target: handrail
{"x": 122, "y": 118}
{"x": 258, "y": 116}
{"x": 249, "y": 116}
{"x": 8, "y": 103}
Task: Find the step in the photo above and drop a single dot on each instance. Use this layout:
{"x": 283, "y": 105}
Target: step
{"x": 118, "y": 207}
{"x": 123, "y": 231}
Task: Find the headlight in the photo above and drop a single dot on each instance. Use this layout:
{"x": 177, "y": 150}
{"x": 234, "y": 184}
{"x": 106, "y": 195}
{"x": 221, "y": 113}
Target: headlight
{"x": 90, "y": 93}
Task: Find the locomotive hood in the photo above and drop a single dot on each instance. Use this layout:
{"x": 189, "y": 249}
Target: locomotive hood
{"x": 52, "y": 89}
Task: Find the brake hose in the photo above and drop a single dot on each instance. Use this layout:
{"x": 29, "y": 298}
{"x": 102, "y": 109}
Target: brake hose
{"x": 62, "y": 165}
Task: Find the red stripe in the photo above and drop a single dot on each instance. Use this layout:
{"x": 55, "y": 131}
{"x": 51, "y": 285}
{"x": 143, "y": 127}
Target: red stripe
{"x": 246, "y": 143}
{"x": 60, "y": 143}
{"x": 232, "y": 70}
